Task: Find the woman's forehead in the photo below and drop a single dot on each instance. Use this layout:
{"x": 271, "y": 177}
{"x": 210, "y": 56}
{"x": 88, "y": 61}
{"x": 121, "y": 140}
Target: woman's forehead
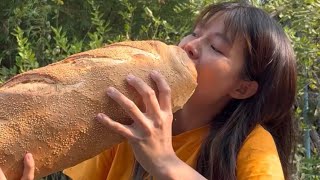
{"x": 225, "y": 20}
{"x": 216, "y": 24}
{"x": 227, "y": 25}
{"x": 209, "y": 17}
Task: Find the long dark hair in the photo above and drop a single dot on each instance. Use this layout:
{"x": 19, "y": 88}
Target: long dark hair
{"x": 270, "y": 61}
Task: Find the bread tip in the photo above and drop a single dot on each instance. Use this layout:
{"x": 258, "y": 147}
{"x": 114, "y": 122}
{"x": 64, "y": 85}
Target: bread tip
{"x": 192, "y": 68}
{"x": 185, "y": 60}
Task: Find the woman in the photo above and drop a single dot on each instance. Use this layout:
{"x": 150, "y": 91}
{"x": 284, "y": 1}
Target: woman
{"x": 238, "y": 123}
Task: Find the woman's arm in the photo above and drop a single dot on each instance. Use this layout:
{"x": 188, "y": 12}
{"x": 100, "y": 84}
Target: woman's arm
{"x": 176, "y": 169}
{"x": 151, "y": 133}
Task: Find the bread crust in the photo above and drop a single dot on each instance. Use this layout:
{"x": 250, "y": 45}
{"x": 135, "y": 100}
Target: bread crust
{"x": 50, "y": 111}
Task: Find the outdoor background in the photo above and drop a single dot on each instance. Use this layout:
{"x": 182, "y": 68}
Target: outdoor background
{"x": 35, "y": 33}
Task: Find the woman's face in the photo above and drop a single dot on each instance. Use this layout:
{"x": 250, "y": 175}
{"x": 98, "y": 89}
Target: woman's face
{"x": 218, "y": 61}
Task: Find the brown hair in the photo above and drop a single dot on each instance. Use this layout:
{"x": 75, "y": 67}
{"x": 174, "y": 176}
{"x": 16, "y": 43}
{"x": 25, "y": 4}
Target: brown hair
{"x": 269, "y": 60}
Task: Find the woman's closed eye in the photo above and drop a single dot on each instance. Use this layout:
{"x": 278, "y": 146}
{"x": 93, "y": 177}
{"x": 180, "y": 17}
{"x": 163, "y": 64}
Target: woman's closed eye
{"x": 212, "y": 47}
{"x": 193, "y": 34}
{"x": 216, "y": 50}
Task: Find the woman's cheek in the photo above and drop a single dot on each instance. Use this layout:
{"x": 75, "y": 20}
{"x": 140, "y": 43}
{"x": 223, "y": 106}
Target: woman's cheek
{"x": 217, "y": 74}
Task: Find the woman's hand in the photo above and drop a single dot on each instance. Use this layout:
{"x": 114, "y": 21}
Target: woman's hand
{"x": 28, "y": 171}
{"x": 151, "y": 133}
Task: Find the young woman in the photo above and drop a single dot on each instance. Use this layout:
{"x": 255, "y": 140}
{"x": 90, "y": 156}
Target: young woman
{"x": 238, "y": 123}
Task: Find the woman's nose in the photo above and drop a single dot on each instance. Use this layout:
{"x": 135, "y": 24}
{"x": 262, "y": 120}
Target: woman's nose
{"x": 192, "y": 49}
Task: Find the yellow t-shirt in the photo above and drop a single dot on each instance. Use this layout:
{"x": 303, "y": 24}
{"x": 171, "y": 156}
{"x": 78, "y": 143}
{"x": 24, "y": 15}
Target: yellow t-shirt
{"x": 257, "y": 159}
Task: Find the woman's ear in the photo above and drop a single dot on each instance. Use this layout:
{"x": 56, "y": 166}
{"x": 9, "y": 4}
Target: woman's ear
{"x": 245, "y": 89}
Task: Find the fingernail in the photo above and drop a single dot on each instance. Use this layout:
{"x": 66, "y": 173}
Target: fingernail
{"x": 29, "y": 156}
{"x": 110, "y": 90}
{"x": 130, "y": 77}
{"x": 154, "y": 72}
{"x": 99, "y": 116}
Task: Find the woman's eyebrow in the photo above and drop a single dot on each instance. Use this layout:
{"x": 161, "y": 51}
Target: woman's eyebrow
{"x": 200, "y": 25}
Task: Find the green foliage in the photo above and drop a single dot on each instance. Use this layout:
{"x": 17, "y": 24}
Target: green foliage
{"x": 101, "y": 26}
{"x": 52, "y": 30}
{"x": 310, "y": 168}
{"x": 62, "y": 45}
{"x": 307, "y": 168}
{"x": 25, "y": 59}
{"x": 6, "y": 73}
{"x": 39, "y": 32}
{"x": 301, "y": 21}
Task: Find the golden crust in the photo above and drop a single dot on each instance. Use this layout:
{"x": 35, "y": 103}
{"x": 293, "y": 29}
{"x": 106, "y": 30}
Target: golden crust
{"x": 50, "y": 111}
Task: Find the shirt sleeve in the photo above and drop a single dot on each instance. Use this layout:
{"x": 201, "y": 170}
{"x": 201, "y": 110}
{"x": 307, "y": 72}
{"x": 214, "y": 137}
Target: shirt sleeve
{"x": 95, "y": 168}
{"x": 258, "y": 158}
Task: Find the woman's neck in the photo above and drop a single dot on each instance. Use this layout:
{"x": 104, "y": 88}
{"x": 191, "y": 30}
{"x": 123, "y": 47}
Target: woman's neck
{"x": 194, "y": 115}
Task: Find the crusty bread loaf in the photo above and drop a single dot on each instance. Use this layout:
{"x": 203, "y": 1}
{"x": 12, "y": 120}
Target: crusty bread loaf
{"x": 50, "y": 111}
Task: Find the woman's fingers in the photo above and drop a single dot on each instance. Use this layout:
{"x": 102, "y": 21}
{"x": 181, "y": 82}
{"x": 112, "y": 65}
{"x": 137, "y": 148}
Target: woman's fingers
{"x": 29, "y": 166}
{"x": 154, "y": 109}
{"x": 129, "y": 106}
{"x": 28, "y": 170}
{"x": 123, "y": 130}
{"x": 164, "y": 91}
{"x": 148, "y": 95}
{"x": 2, "y": 176}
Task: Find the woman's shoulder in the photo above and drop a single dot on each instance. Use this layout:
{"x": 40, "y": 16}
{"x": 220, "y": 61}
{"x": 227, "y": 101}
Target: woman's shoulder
{"x": 259, "y": 139}
{"x": 258, "y": 157}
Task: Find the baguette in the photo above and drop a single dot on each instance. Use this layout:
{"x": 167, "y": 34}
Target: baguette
{"x": 50, "y": 111}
